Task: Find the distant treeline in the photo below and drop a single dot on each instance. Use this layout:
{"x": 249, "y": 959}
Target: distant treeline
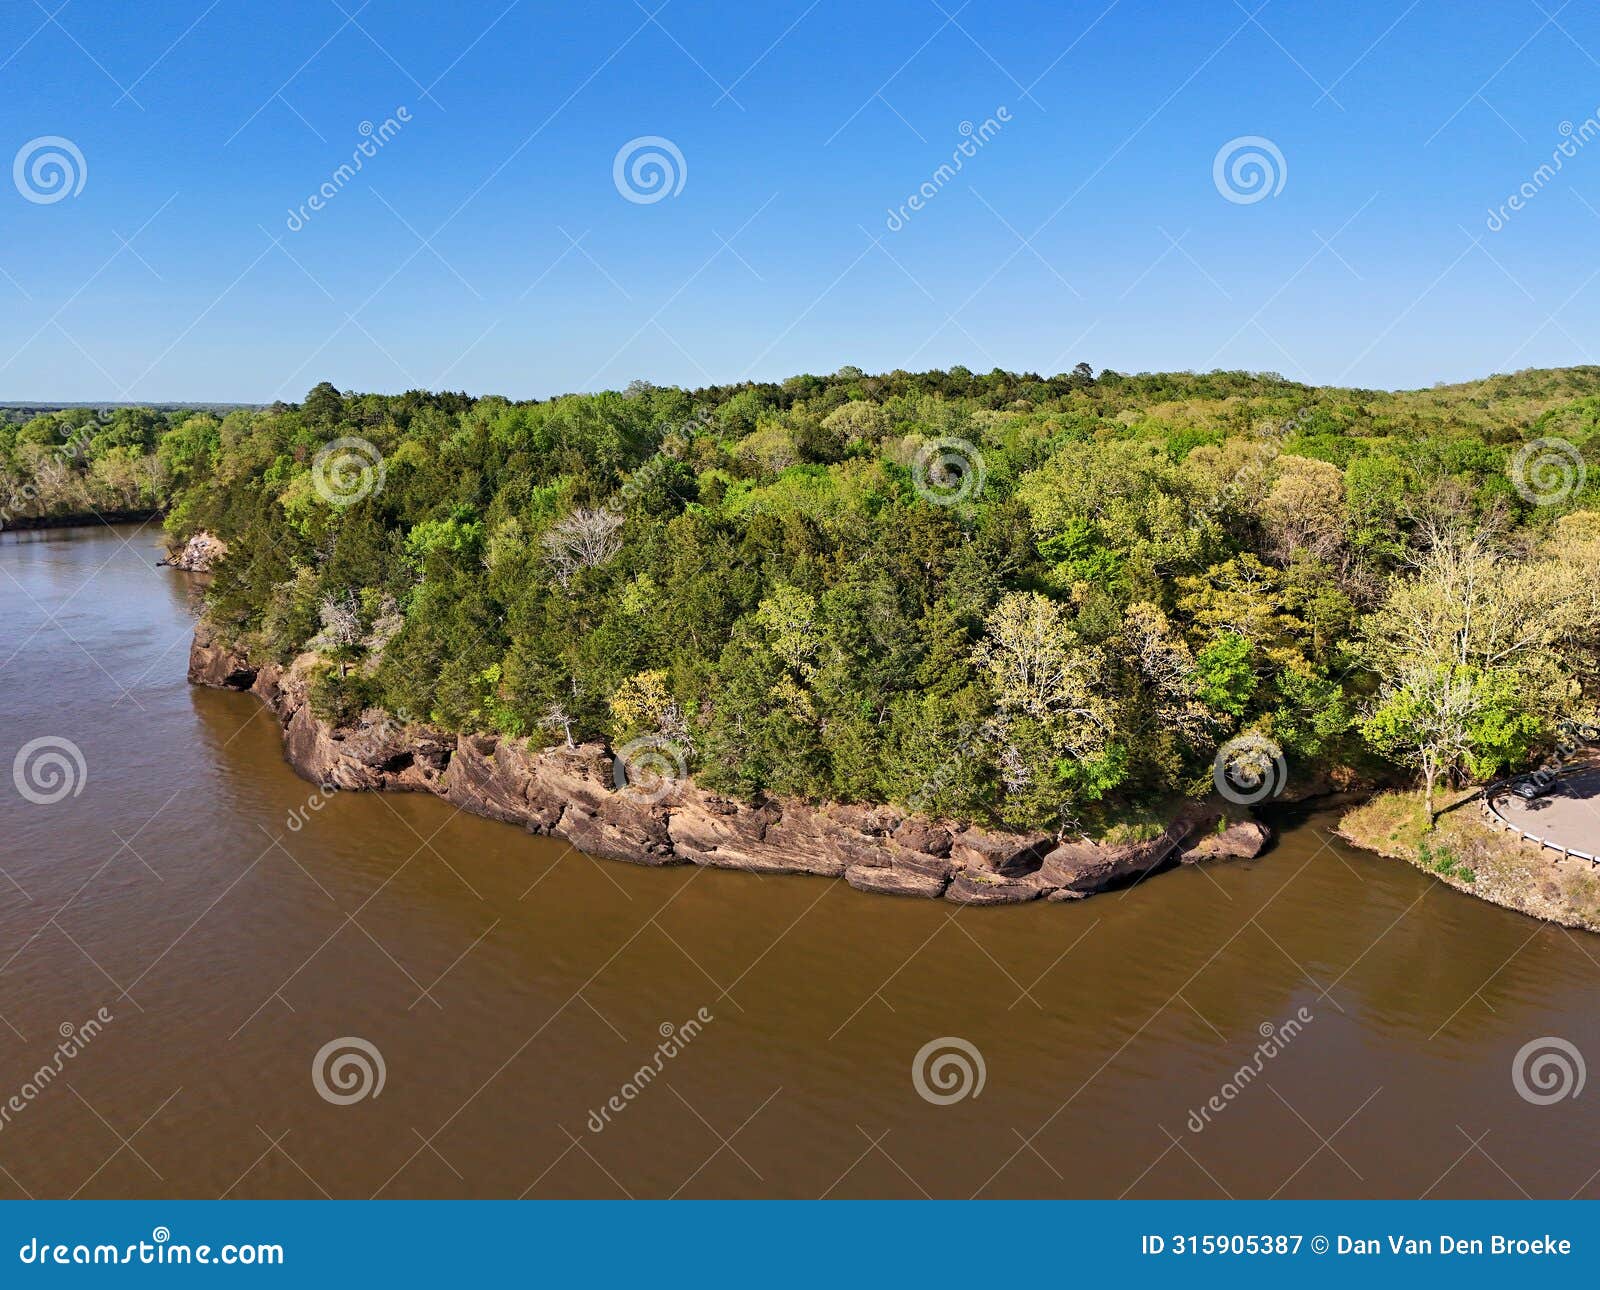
{"x": 22, "y": 413}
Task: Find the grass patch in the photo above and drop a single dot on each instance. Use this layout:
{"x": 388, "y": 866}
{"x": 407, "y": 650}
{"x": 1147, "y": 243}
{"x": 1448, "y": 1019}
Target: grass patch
{"x": 1466, "y": 852}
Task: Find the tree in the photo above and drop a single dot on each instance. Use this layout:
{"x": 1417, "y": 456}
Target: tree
{"x": 1057, "y": 719}
{"x": 341, "y": 628}
{"x": 582, "y": 540}
{"x": 1443, "y": 717}
{"x": 1475, "y": 650}
{"x": 323, "y": 406}
{"x": 556, "y": 718}
{"x": 643, "y": 705}
{"x": 1305, "y": 509}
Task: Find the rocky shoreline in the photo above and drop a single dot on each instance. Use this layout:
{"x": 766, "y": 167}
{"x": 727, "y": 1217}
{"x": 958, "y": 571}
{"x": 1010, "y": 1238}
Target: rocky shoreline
{"x": 571, "y": 794}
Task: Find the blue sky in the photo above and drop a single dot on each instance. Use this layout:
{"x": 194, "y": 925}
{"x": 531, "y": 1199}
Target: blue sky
{"x": 485, "y": 246}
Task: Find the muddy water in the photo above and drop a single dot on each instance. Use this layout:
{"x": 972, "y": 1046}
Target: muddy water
{"x": 514, "y": 988}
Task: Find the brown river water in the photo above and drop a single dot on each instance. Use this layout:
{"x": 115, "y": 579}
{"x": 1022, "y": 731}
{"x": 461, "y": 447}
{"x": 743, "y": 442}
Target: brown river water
{"x": 513, "y": 989}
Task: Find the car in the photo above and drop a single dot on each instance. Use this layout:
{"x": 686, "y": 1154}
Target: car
{"x": 1532, "y": 787}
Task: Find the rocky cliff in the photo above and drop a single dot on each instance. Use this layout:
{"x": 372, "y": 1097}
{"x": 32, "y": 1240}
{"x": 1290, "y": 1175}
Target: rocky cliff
{"x": 573, "y": 794}
{"x": 198, "y": 554}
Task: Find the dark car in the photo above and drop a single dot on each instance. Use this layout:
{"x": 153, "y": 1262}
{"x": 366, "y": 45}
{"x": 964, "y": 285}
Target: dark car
{"x": 1534, "y": 786}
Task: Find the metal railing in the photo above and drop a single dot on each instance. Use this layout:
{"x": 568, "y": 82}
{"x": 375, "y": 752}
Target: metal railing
{"x": 1499, "y": 821}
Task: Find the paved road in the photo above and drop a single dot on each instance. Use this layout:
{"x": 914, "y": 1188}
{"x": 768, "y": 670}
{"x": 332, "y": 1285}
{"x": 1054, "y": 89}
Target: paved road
{"x": 1570, "y": 816}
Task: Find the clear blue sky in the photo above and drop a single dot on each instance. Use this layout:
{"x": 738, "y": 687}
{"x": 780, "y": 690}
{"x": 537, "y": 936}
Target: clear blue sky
{"x": 802, "y": 125}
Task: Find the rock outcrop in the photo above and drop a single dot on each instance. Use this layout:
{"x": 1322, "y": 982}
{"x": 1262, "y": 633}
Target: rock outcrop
{"x": 199, "y": 554}
{"x": 1240, "y": 840}
{"x": 573, "y": 794}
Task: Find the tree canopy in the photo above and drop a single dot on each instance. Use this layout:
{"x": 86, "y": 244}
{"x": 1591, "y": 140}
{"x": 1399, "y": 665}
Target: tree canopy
{"x": 1002, "y": 597}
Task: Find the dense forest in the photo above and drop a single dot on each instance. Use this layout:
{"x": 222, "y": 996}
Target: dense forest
{"x": 1041, "y": 602}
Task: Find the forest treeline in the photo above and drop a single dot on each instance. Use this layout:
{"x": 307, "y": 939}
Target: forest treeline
{"x": 1045, "y": 602}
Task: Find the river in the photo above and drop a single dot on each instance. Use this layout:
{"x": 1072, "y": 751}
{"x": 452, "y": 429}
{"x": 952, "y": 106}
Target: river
{"x": 513, "y": 989}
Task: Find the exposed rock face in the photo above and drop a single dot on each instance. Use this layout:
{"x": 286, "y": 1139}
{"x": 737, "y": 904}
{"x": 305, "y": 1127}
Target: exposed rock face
{"x": 199, "y": 554}
{"x": 211, "y": 664}
{"x": 1083, "y": 867}
{"x": 572, "y": 793}
{"x": 1241, "y": 840}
